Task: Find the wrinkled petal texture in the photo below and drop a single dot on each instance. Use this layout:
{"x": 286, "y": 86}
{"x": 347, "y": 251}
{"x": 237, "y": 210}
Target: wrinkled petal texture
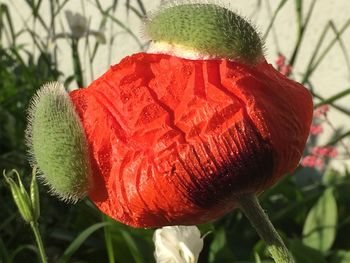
{"x": 173, "y": 140}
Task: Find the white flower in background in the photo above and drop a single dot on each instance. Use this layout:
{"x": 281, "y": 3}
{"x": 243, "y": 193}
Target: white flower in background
{"x": 77, "y": 23}
{"x": 177, "y": 244}
{"x": 79, "y": 27}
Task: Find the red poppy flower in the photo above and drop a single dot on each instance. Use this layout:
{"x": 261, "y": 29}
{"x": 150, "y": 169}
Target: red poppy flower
{"x": 172, "y": 140}
{"x": 165, "y": 140}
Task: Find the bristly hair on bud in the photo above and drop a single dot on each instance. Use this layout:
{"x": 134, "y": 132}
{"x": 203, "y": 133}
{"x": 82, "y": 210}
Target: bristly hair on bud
{"x": 205, "y": 29}
{"x": 57, "y": 143}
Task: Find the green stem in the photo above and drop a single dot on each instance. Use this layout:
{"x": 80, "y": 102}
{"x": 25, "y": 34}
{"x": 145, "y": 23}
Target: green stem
{"x": 333, "y": 98}
{"x": 301, "y": 27}
{"x": 39, "y": 241}
{"x": 250, "y": 206}
{"x": 272, "y": 20}
{"x": 78, "y": 72}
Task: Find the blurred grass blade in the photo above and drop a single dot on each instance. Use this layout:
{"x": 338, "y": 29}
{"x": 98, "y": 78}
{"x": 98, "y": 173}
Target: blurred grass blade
{"x": 60, "y": 7}
{"x": 338, "y": 138}
{"x": 3, "y": 251}
{"x": 4, "y": 13}
{"x": 141, "y": 6}
{"x": 114, "y": 5}
{"x": 79, "y": 240}
{"x": 18, "y": 250}
{"x": 108, "y": 239}
{"x": 302, "y": 25}
{"x": 333, "y": 98}
{"x": 132, "y": 246}
{"x": 313, "y": 65}
{"x": 272, "y": 20}
{"x": 342, "y": 46}
{"x": 331, "y": 44}
{"x": 127, "y": 5}
{"x": 308, "y": 72}
{"x": 7, "y": 221}
{"x": 122, "y": 25}
{"x": 136, "y": 12}
{"x": 321, "y": 98}
{"x": 105, "y": 13}
{"x": 37, "y": 7}
{"x": 299, "y": 12}
{"x": 34, "y": 11}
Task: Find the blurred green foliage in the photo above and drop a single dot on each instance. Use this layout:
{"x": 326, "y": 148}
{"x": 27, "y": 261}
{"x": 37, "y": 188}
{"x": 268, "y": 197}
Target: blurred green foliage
{"x": 313, "y": 216}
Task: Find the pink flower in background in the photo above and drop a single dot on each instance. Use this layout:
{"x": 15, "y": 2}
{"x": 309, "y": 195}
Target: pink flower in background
{"x": 282, "y": 66}
{"x": 318, "y": 153}
{"x": 316, "y": 129}
{"x": 281, "y": 60}
{"x": 312, "y": 161}
{"x": 321, "y": 111}
{"x": 327, "y": 151}
{"x": 286, "y": 70}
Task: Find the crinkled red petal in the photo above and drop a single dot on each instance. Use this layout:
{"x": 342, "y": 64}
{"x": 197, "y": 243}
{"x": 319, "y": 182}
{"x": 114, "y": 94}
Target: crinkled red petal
{"x": 173, "y": 140}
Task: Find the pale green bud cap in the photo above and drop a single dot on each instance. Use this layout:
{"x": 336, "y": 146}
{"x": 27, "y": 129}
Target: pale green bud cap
{"x": 57, "y": 143}
{"x": 206, "y": 29}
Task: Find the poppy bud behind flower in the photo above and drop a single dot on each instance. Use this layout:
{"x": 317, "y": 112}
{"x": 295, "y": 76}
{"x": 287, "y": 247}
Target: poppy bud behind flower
{"x": 57, "y": 143}
{"x": 172, "y": 140}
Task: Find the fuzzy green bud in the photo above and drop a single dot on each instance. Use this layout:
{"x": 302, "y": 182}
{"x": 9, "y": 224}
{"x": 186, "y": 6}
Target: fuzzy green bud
{"x": 57, "y": 143}
{"x": 207, "y": 29}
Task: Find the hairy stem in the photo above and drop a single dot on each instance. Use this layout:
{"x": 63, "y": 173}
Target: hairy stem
{"x": 250, "y": 206}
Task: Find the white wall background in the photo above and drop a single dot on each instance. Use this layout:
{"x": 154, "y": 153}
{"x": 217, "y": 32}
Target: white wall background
{"x": 331, "y": 77}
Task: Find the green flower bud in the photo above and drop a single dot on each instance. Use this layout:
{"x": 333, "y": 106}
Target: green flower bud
{"x": 206, "y": 29}
{"x": 57, "y": 143}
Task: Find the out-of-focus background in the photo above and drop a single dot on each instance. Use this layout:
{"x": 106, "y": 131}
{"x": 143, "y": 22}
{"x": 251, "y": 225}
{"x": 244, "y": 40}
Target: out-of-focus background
{"x": 120, "y": 23}
{"x": 76, "y": 41}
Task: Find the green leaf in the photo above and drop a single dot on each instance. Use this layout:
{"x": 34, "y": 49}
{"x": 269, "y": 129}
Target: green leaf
{"x": 320, "y": 226}
{"x": 79, "y": 240}
{"x": 332, "y": 177}
{"x": 340, "y": 256}
{"x": 305, "y": 254}
{"x": 217, "y": 244}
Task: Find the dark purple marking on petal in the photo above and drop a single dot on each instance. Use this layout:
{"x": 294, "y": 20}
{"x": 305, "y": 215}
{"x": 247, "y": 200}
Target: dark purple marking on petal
{"x": 240, "y": 161}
